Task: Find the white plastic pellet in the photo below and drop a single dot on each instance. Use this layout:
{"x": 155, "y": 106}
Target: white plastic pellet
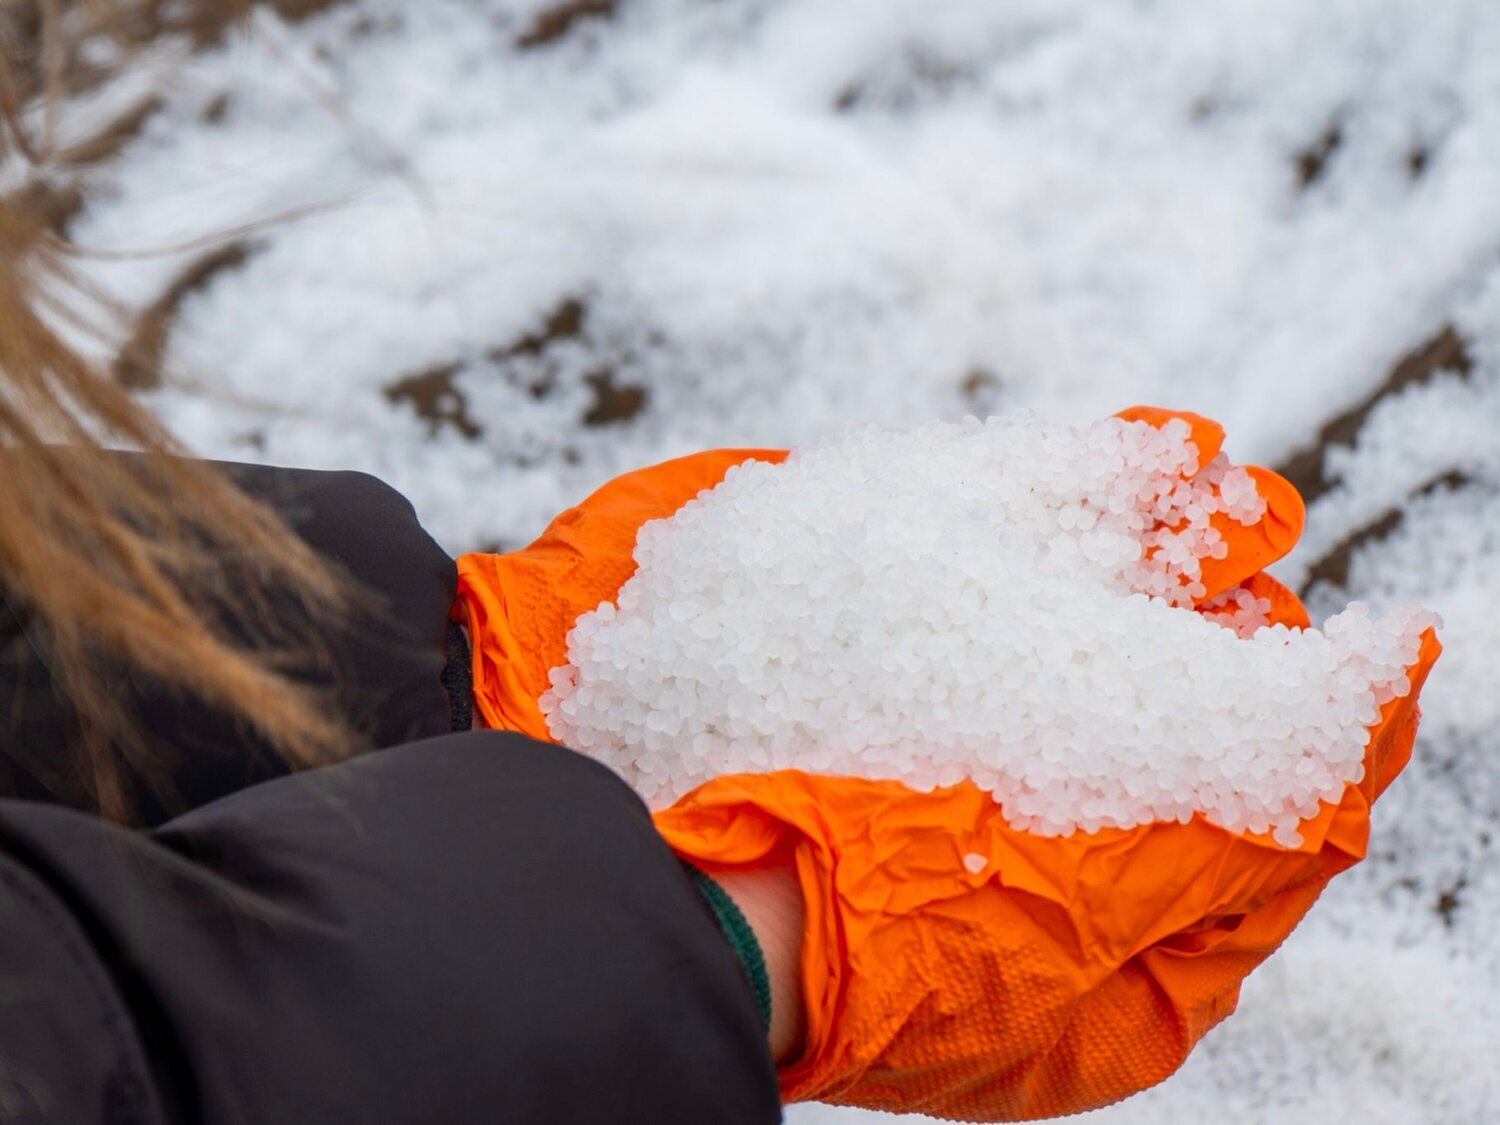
{"x": 1006, "y": 602}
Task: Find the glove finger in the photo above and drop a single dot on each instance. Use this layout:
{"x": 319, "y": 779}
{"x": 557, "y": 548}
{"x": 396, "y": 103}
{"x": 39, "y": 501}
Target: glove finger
{"x": 1207, "y": 434}
{"x": 1391, "y": 738}
{"x": 1278, "y": 604}
{"x": 1253, "y": 548}
{"x": 1286, "y": 607}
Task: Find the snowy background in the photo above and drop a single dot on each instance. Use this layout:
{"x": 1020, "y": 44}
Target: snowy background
{"x": 496, "y": 251}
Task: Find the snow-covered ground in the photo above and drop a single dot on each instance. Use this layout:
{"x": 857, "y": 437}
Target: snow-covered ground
{"x": 511, "y": 263}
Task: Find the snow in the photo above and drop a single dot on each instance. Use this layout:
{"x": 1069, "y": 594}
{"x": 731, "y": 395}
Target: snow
{"x": 776, "y": 218}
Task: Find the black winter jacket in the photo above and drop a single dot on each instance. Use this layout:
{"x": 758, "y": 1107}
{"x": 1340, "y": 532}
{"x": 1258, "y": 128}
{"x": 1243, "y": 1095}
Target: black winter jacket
{"x": 468, "y": 927}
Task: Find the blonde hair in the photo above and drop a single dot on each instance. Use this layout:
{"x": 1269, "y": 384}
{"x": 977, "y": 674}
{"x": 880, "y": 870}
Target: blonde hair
{"x": 115, "y": 561}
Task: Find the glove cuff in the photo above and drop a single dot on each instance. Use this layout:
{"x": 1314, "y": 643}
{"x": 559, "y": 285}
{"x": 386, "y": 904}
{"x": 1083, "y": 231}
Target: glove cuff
{"x": 737, "y": 931}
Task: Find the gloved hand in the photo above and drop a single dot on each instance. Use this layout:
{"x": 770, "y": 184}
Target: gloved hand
{"x": 952, "y": 965}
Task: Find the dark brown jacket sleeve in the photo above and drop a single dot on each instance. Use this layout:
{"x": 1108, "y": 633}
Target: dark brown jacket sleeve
{"x": 475, "y": 928}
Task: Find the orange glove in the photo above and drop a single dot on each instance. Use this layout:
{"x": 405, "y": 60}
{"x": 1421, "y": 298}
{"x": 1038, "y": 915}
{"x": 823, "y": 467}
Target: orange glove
{"x": 952, "y": 965}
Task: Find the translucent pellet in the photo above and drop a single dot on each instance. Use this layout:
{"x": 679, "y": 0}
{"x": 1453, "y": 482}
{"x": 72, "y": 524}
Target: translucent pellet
{"x": 1007, "y": 603}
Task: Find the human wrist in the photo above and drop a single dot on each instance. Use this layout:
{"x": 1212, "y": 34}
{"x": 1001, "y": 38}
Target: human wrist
{"x": 770, "y": 898}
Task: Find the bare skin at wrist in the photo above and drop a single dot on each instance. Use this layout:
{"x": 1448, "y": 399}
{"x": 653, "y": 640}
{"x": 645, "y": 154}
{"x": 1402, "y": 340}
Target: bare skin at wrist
{"x": 771, "y": 900}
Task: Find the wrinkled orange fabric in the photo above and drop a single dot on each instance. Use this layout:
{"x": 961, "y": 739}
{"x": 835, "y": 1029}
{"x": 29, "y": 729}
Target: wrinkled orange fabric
{"x": 1064, "y": 974}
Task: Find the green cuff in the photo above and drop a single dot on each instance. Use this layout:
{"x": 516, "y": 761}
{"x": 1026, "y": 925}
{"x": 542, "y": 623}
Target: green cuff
{"x": 740, "y": 936}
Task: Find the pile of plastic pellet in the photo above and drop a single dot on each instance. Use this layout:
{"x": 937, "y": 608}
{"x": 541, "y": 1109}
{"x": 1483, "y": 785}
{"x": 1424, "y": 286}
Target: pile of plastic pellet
{"x": 1007, "y": 602}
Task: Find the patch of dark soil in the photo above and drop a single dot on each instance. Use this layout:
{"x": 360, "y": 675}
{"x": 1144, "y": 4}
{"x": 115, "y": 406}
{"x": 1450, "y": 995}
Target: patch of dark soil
{"x": 138, "y": 365}
{"x": 1445, "y": 351}
{"x": 613, "y": 401}
{"x": 1448, "y": 901}
{"x": 980, "y": 389}
{"x": 528, "y": 362}
{"x": 367, "y": 25}
{"x": 919, "y": 74}
{"x": 294, "y": 10}
{"x": 1449, "y": 482}
{"x": 565, "y": 322}
{"x": 254, "y": 440}
{"x": 1418, "y": 158}
{"x": 978, "y": 381}
{"x": 436, "y": 398}
{"x": 849, "y": 97}
{"x": 1312, "y": 161}
{"x": 551, "y": 24}
{"x": 1333, "y": 568}
{"x": 215, "y": 110}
